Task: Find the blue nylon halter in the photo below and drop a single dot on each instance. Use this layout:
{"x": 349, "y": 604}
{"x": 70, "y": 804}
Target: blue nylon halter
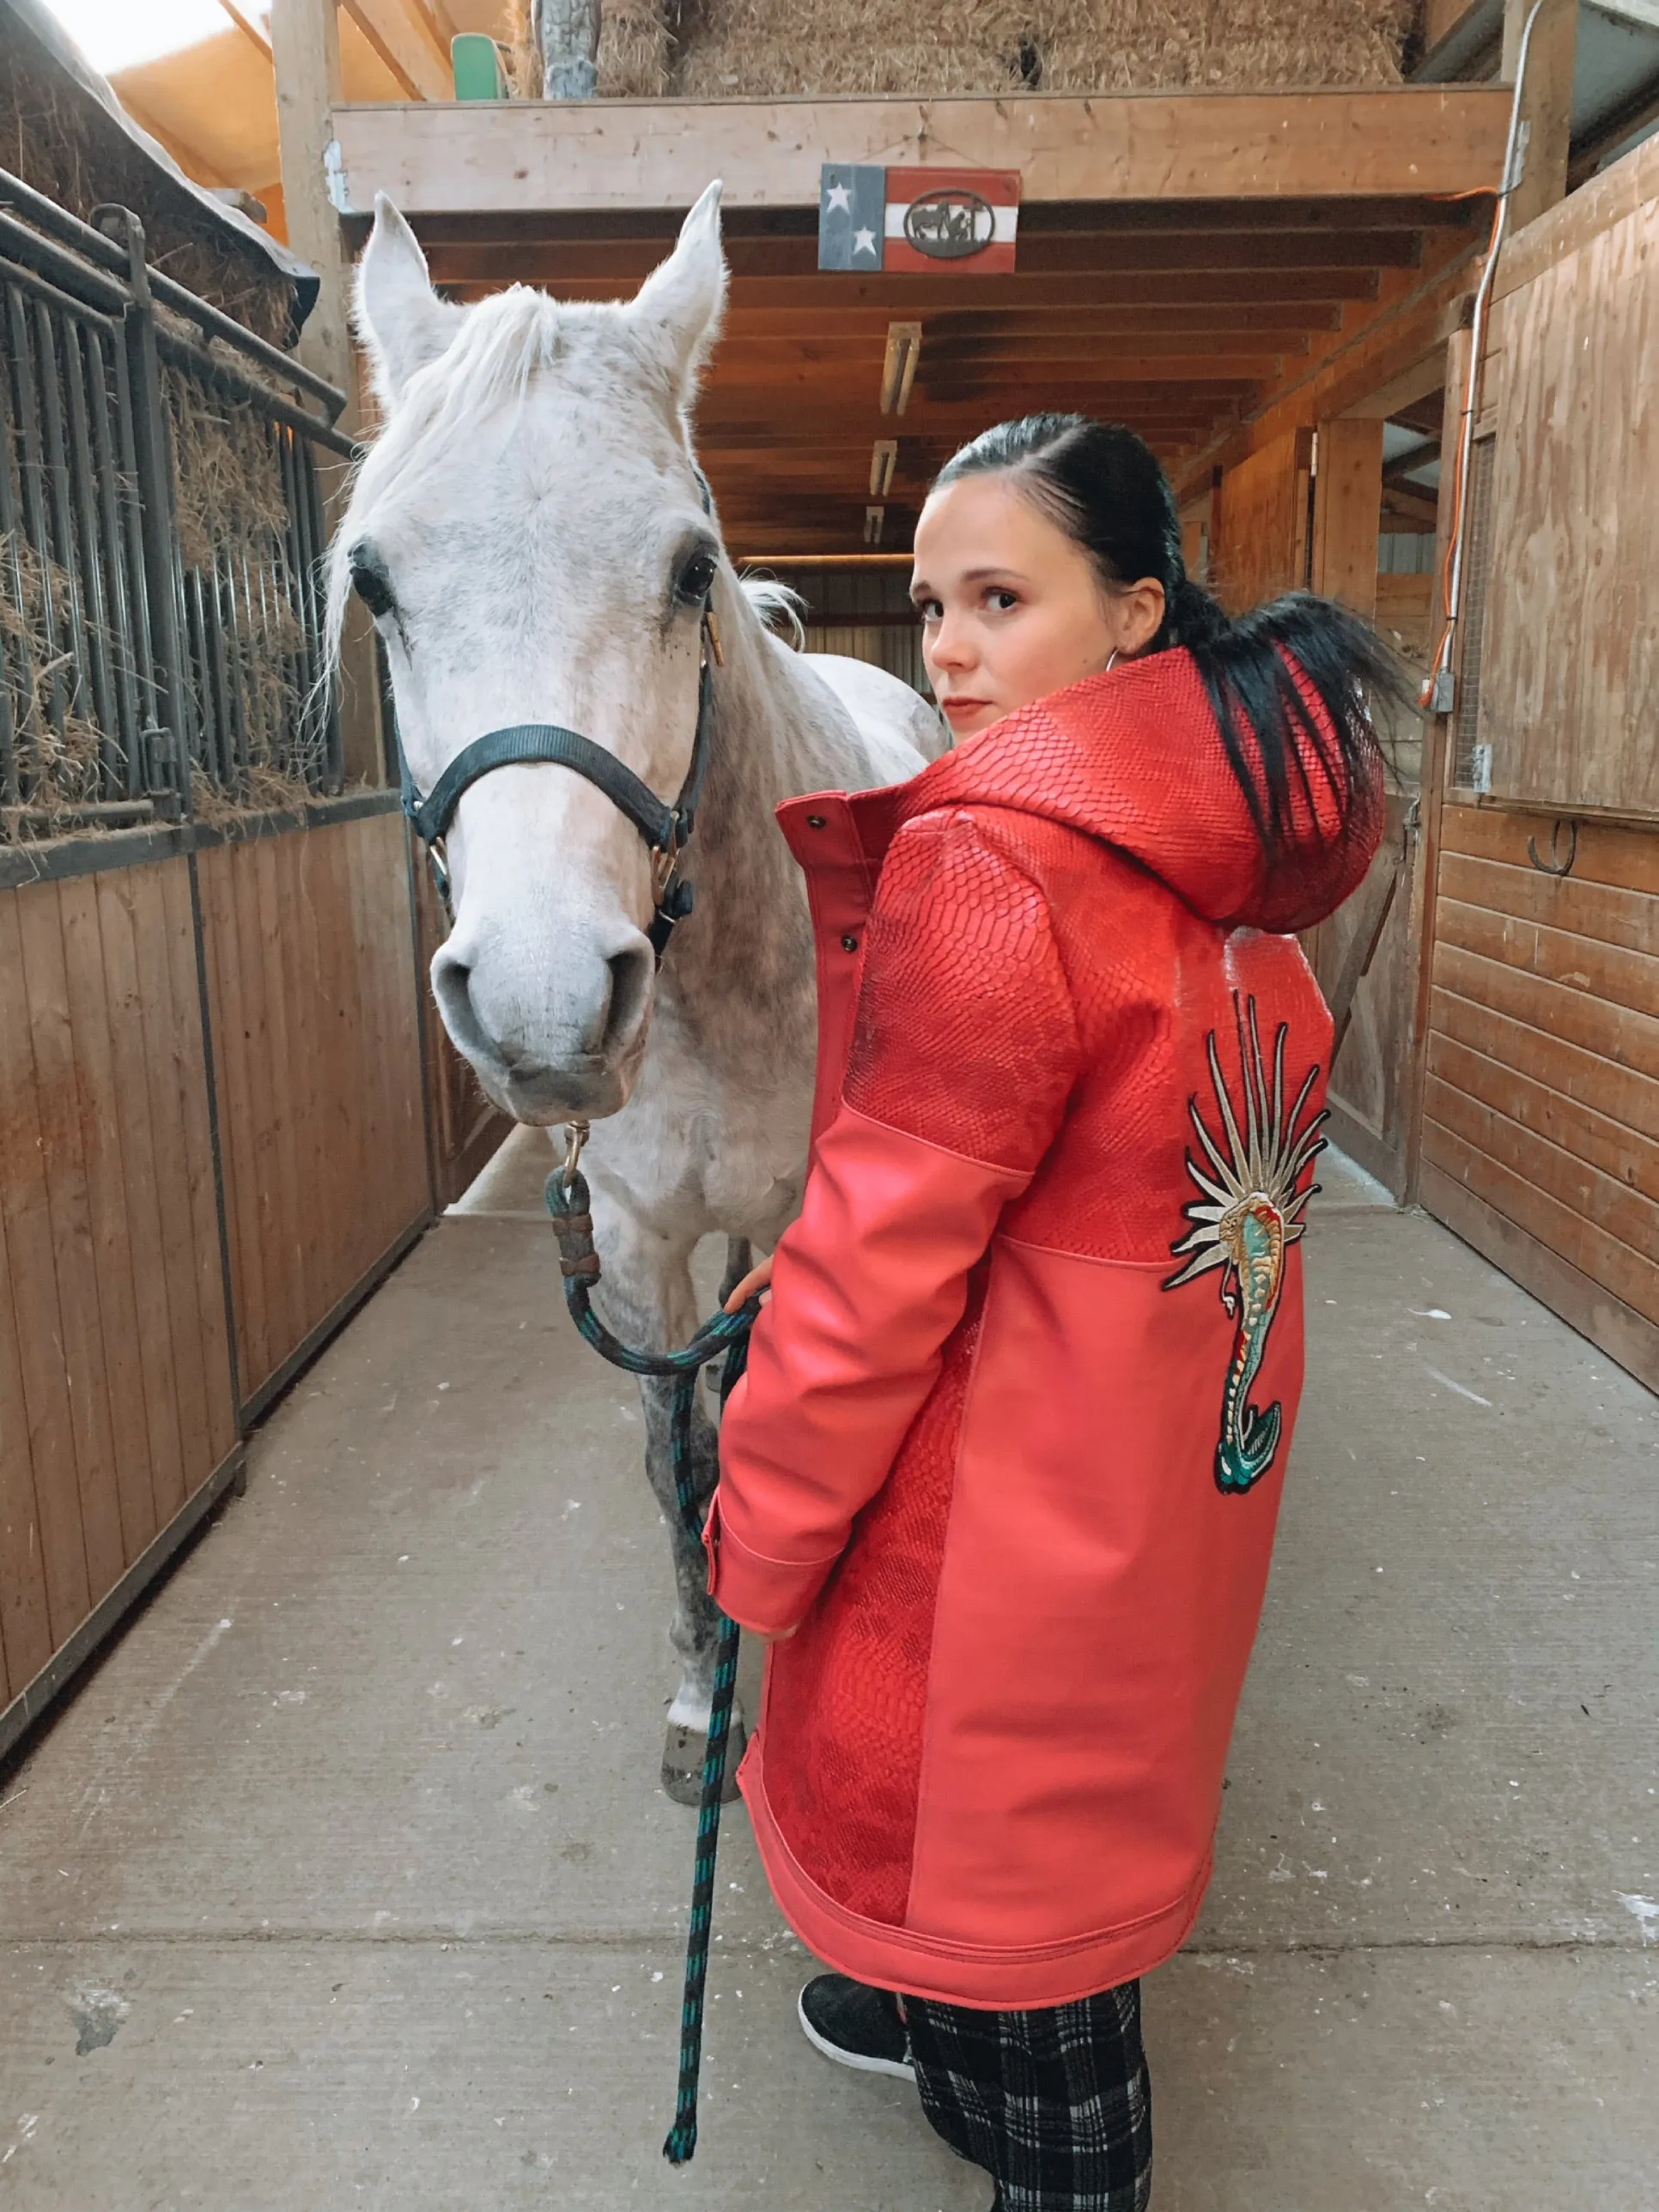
{"x": 666, "y": 829}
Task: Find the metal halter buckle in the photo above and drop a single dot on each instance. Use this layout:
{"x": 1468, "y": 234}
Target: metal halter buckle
{"x": 437, "y": 860}
{"x": 664, "y": 859}
{"x": 575, "y": 1137}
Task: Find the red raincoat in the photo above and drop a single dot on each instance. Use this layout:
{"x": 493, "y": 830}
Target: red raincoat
{"x": 1009, "y": 1446}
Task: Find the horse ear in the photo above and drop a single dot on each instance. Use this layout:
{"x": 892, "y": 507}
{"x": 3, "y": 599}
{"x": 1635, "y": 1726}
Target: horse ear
{"x": 677, "y": 309}
{"x": 400, "y": 319}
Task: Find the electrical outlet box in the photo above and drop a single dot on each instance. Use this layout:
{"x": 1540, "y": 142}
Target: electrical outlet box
{"x": 1482, "y": 759}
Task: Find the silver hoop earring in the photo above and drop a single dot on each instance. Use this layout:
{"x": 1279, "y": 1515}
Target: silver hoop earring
{"x": 1111, "y": 662}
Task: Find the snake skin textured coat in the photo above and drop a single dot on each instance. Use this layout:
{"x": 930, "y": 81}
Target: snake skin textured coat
{"x": 1009, "y": 1452}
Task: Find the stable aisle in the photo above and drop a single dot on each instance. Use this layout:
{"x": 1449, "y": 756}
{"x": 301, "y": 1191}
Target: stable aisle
{"x": 345, "y": 1881}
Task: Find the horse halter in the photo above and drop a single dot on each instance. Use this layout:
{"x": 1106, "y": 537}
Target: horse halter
{"x": 666, "y": 830}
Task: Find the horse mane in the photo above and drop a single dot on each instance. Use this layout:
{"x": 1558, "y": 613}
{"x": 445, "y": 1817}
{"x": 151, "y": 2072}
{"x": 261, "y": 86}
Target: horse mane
{"x": 778, "y": 606}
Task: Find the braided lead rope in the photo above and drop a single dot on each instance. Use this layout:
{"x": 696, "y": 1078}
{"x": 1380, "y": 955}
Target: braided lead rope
{"x": 724, "y": 1336}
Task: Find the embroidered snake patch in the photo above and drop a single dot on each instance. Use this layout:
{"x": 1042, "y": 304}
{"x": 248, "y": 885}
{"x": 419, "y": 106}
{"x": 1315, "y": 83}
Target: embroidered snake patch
{"x": 1249, "y": 1213}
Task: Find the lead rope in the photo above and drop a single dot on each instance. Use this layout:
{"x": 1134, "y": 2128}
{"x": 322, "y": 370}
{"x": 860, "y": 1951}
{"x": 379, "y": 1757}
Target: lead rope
{"x": 725, "y": 1336}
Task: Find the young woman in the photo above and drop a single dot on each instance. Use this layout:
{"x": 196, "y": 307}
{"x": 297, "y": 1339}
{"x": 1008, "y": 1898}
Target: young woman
{"x": 1000, "y": 1484}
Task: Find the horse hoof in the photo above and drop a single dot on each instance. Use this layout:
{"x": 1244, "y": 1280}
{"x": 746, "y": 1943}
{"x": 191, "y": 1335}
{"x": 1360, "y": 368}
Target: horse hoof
{"x": 683, "y": 1753}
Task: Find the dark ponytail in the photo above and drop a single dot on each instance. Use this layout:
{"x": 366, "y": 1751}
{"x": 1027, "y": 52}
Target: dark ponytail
{"x": 1281, "y": 727}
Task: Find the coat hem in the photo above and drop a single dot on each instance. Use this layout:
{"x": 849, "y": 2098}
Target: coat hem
{"x": 981, "y": 1978}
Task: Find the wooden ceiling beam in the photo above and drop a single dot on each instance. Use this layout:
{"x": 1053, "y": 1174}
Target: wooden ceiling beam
{"x": 744, "y": 323}
{"x": 956, "y": 421}
{"x": 1413, "y": 316}
{"x": 798, "y": 364}
{"x": 654, "y": 229}
{"x": 955, "y": 338}
{"x": 616, "y": 261}
{"x": 746, "y": 407}
{"x": 484, "y": 155}
{"x": 924, "y": 295}
{"x": 840, "y": 458}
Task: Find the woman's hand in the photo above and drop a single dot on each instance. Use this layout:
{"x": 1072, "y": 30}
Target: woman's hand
{"x": 758, "y": 1279}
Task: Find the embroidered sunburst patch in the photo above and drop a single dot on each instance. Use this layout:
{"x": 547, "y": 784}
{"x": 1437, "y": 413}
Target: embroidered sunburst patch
{"x": 1249, "y": 1213}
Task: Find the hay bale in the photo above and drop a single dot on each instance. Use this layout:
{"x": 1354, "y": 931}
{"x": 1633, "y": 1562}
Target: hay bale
{"x": 761, "y": 48}
{"x": 634, "y": 50}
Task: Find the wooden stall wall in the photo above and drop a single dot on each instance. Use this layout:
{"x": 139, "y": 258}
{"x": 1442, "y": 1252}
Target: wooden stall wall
{"x": 317, "y": 1040}
{"x": 463, "y": 1130}
{"x": 1570, "y": 665}
{"x": 1259, "y": 523}
{"x": 118, "y": 1416}
{"x": 1540, "y": 1133}
{"x": 1540, "y": 1114}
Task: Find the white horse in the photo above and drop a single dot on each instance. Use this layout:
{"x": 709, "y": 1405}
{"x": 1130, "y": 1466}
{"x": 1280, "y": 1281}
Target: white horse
{"x": 529, "y": 532}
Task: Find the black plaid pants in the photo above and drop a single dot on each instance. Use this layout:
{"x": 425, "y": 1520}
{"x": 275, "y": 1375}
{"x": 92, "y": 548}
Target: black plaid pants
{"x": 1055, "y": 2104}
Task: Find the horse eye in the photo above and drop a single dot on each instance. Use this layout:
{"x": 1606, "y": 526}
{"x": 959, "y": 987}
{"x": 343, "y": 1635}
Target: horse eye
{"x": 371, "y": 588}
{"x": 696, "y": 579}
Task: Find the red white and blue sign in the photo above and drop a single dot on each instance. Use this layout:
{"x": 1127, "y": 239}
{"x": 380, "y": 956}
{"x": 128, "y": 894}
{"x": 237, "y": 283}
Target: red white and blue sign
{"x": 962, "y": 221}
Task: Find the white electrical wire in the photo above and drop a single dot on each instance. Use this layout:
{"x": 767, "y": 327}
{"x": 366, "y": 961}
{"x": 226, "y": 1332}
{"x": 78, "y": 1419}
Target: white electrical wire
{"x": 1513, "y": 163}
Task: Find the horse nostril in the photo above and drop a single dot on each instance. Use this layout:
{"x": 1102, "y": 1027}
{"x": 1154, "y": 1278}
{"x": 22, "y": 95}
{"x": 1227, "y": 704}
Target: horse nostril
{"x": 630, "y": 980}
{"x": 452, "y": 981}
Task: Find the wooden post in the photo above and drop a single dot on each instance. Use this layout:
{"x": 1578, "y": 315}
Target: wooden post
{"x": 1259, "y": 523}
{"x": 568, "y": 33}
{"x": 1546, "y": 101}
{"x": 1436, "y": 771}
{"x": 305, "y": 45}
{"x": 1347, "y": 508}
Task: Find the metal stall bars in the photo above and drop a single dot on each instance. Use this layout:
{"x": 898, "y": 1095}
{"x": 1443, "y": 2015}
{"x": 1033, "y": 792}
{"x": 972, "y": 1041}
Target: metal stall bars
{"x": 160, "y": 531}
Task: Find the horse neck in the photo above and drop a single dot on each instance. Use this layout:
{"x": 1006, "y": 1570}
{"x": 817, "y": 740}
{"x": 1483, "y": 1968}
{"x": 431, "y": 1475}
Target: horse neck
{"x": 749, "y": 949}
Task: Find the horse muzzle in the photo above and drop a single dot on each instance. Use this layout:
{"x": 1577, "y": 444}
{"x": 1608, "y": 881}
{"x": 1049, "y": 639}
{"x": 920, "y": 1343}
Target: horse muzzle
{"x": 557, "y": 1046}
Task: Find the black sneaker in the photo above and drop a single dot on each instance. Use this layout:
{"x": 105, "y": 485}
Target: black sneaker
{"x": 855, "y": 2026}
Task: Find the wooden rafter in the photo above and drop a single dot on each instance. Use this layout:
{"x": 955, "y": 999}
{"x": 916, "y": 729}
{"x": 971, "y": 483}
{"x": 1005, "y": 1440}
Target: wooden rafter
{"x": 194, "y": 164}
{"x": 406, "y": 39}
{"x": 245, "y": 24}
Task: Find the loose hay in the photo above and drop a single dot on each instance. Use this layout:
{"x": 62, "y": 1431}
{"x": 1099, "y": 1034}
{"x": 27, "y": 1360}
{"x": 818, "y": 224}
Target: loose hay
{"x": 634, "y": 50}
{"x": 58, "y": 140}
{"x": 245, "y": 644}
{"x": 65, "y": 745}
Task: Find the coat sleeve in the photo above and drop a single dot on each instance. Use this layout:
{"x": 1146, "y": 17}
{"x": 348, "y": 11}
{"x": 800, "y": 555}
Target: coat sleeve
{"x": 964, "y": 1052}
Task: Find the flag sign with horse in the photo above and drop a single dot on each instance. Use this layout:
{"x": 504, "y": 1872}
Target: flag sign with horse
{"x": 910, "y": 220}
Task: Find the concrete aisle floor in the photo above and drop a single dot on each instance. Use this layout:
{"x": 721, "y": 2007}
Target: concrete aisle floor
{"x": 344, "y": 1880}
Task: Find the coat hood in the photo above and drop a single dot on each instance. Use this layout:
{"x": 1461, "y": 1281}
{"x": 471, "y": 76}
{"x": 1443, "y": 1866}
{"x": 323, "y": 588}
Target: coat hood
{"x": 1136, "y": 758}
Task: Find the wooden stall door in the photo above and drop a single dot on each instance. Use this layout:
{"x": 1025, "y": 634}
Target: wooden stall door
{"x": 464, "y": 1129}
{"x": 1541, "y": 1101}
{"x": 118, "y": 1417}
{"x": 318, "y": 1061}
{"x": 1571, "y": 667}
{"x": 1362, "y": 957}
